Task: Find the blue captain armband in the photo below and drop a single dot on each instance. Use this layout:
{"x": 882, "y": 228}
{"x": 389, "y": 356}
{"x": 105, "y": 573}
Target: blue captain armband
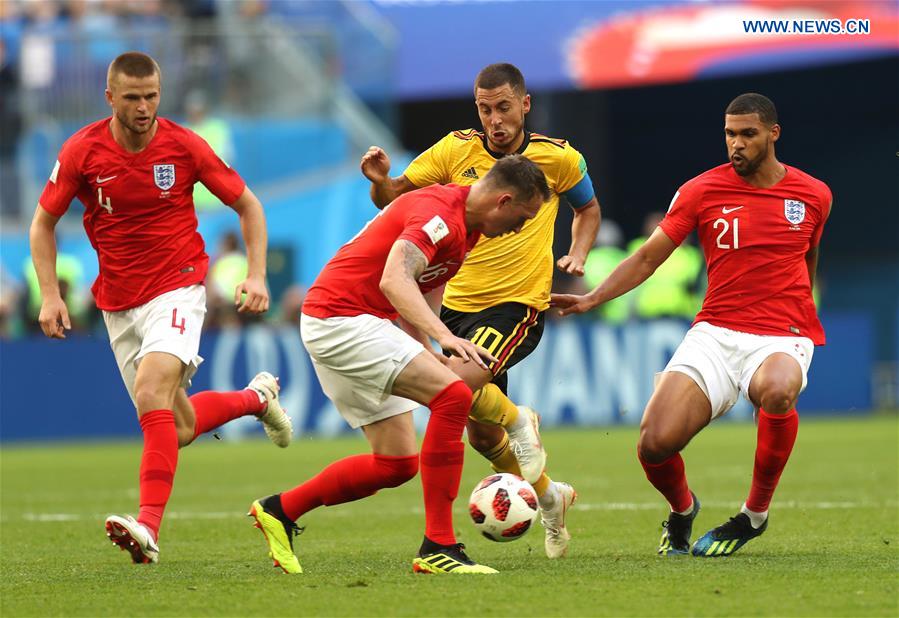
{"x": 581, "y": 193}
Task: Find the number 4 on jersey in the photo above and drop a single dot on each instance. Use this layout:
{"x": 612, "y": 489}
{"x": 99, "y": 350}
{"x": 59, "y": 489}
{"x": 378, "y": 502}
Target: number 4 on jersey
{"x": 107, "y": 205}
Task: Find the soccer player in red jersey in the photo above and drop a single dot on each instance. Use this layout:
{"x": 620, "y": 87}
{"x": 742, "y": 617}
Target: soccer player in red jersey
{"x": 505, "y": 313}
{"x": 135, "y": 173}
{"x": 376, "y": 374}
{"x": 759, "y": 222}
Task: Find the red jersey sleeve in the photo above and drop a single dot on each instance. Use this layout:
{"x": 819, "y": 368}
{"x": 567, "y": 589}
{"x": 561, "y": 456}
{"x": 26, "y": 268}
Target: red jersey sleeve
{"x": 215, "y": 174}
{"x": 826, "y": 202}
{"x": 64, "y": 183}
{"x": 425, "y": 231}
{"x": 681, "y": 218}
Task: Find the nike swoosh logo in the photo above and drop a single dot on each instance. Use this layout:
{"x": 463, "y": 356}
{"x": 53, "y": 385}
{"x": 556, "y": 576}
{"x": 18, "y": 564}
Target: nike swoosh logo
{"x": 726, "y": 210}
{"x": 100, "y": 181}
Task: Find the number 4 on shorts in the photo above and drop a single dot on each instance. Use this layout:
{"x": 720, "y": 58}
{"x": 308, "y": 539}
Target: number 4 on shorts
{"x": 175, "y": 323}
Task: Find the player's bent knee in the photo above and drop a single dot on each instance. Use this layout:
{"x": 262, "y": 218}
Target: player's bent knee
{"x": 457, "y": 396}
{"x": 397, "y": 470}
{"x": 655, "y": 448}
{"x": 778, "y": 400}
{"x": 147, "y": 398}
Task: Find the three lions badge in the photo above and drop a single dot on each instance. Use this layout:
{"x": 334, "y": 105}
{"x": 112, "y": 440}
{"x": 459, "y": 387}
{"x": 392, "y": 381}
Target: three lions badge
{"x": 164, "y": 176}
{"x": 794, "y": 211}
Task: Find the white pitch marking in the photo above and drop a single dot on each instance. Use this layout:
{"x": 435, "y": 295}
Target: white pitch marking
{"x": 787, "y": 504}
{"x": 579, "y": 506}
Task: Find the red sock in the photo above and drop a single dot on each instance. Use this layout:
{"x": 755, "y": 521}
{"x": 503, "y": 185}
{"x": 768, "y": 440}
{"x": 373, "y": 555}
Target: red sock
{"x": 671, "y": 481}
{"x": 776, "y": 436}
{"x": 442, "y": 455}
{"x": 348, "y": 479}
{"x": 157, "y": 466}
{"x": 214, "y": 409}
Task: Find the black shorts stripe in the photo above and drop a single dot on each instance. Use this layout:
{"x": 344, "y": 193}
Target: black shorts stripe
{"x": 510, "y": 331}
{"x": 514, "y": 340}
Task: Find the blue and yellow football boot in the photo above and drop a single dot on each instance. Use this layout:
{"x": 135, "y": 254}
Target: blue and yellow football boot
{"x": 727, "y": 538}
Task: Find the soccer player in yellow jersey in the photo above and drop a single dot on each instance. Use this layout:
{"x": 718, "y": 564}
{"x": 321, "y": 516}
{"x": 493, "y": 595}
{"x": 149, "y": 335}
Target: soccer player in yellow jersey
{"x": 499, "y": 296}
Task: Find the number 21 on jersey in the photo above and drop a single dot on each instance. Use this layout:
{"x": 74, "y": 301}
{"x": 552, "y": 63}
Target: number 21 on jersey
{"x": 729, "y": 236}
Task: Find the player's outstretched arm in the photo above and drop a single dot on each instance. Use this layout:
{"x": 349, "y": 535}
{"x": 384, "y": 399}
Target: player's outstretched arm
{"x": 375, "y": 166}
{"x": 54, "y": 316}
{"x": 252, "y": 227}
{"x": 584, "y": 227}
{"x": 405, "y": 264}
{"x": 630, "y": 273}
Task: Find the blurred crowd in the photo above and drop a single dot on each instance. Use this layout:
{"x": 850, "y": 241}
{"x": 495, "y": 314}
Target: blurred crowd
{"x": 33, "y": 39}
{"x": 20, "y": 300}
{"x": 674, "y": 291}
{"x": 53, "y": 59}
{"x": 118, "y": 12}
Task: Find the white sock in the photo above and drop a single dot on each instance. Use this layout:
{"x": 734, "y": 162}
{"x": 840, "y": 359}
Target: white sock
{"x": 688, "y": 511}
{"x": 756, "y": 519}
{"x": 259, "y": 394}
{"x": 548, "y": 499}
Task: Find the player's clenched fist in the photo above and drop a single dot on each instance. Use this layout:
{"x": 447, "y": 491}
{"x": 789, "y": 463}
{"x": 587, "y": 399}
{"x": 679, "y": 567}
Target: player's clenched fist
{"x": 256, "y": 300}
{"x": 54, "y": 318}
{"x": 375, "y": 164}
{"x": 571, "y": 265}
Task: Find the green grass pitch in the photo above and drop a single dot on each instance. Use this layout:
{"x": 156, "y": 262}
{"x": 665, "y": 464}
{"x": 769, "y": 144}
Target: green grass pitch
{"x": 832, "y": 548}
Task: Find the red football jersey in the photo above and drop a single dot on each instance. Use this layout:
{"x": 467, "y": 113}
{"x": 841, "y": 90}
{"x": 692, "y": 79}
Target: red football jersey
{"x": 755, "y": 241}
{"x": 433, "y": 219}
{"x": 139, "y": 209}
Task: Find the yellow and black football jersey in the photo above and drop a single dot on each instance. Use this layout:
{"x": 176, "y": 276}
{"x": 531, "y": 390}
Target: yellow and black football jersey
{"x": 515, "y": 267}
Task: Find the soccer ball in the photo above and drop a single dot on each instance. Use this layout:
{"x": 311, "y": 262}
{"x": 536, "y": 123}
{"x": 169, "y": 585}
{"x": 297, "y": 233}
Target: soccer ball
{"x": 503, "y": 507}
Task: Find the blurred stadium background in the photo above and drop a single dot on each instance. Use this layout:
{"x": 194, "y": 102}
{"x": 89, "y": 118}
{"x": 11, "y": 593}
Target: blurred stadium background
{"x": 292, "y": 92}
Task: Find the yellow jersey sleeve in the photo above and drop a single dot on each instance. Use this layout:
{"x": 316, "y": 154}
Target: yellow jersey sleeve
{"x": 572, "y": 168}
{"x": 434, "y": 165}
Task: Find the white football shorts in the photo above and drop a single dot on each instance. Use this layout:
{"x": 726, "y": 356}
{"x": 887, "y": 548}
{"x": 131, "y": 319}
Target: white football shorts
{"x": 170, "y": 323}
{"x": 722, "y": 361}
{"x": 356, "y": 360}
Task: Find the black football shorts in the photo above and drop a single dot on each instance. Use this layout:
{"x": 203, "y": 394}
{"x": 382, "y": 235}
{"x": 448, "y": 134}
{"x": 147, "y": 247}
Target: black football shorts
{"x": 509, "y": 331}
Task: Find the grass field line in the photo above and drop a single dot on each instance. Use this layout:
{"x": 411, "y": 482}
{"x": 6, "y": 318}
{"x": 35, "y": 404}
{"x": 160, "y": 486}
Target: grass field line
{"x": 597, "y": 506}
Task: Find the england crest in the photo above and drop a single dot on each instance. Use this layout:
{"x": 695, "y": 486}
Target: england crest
{"x": 164, "y": 176}
{"x": 794, "y": 211}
